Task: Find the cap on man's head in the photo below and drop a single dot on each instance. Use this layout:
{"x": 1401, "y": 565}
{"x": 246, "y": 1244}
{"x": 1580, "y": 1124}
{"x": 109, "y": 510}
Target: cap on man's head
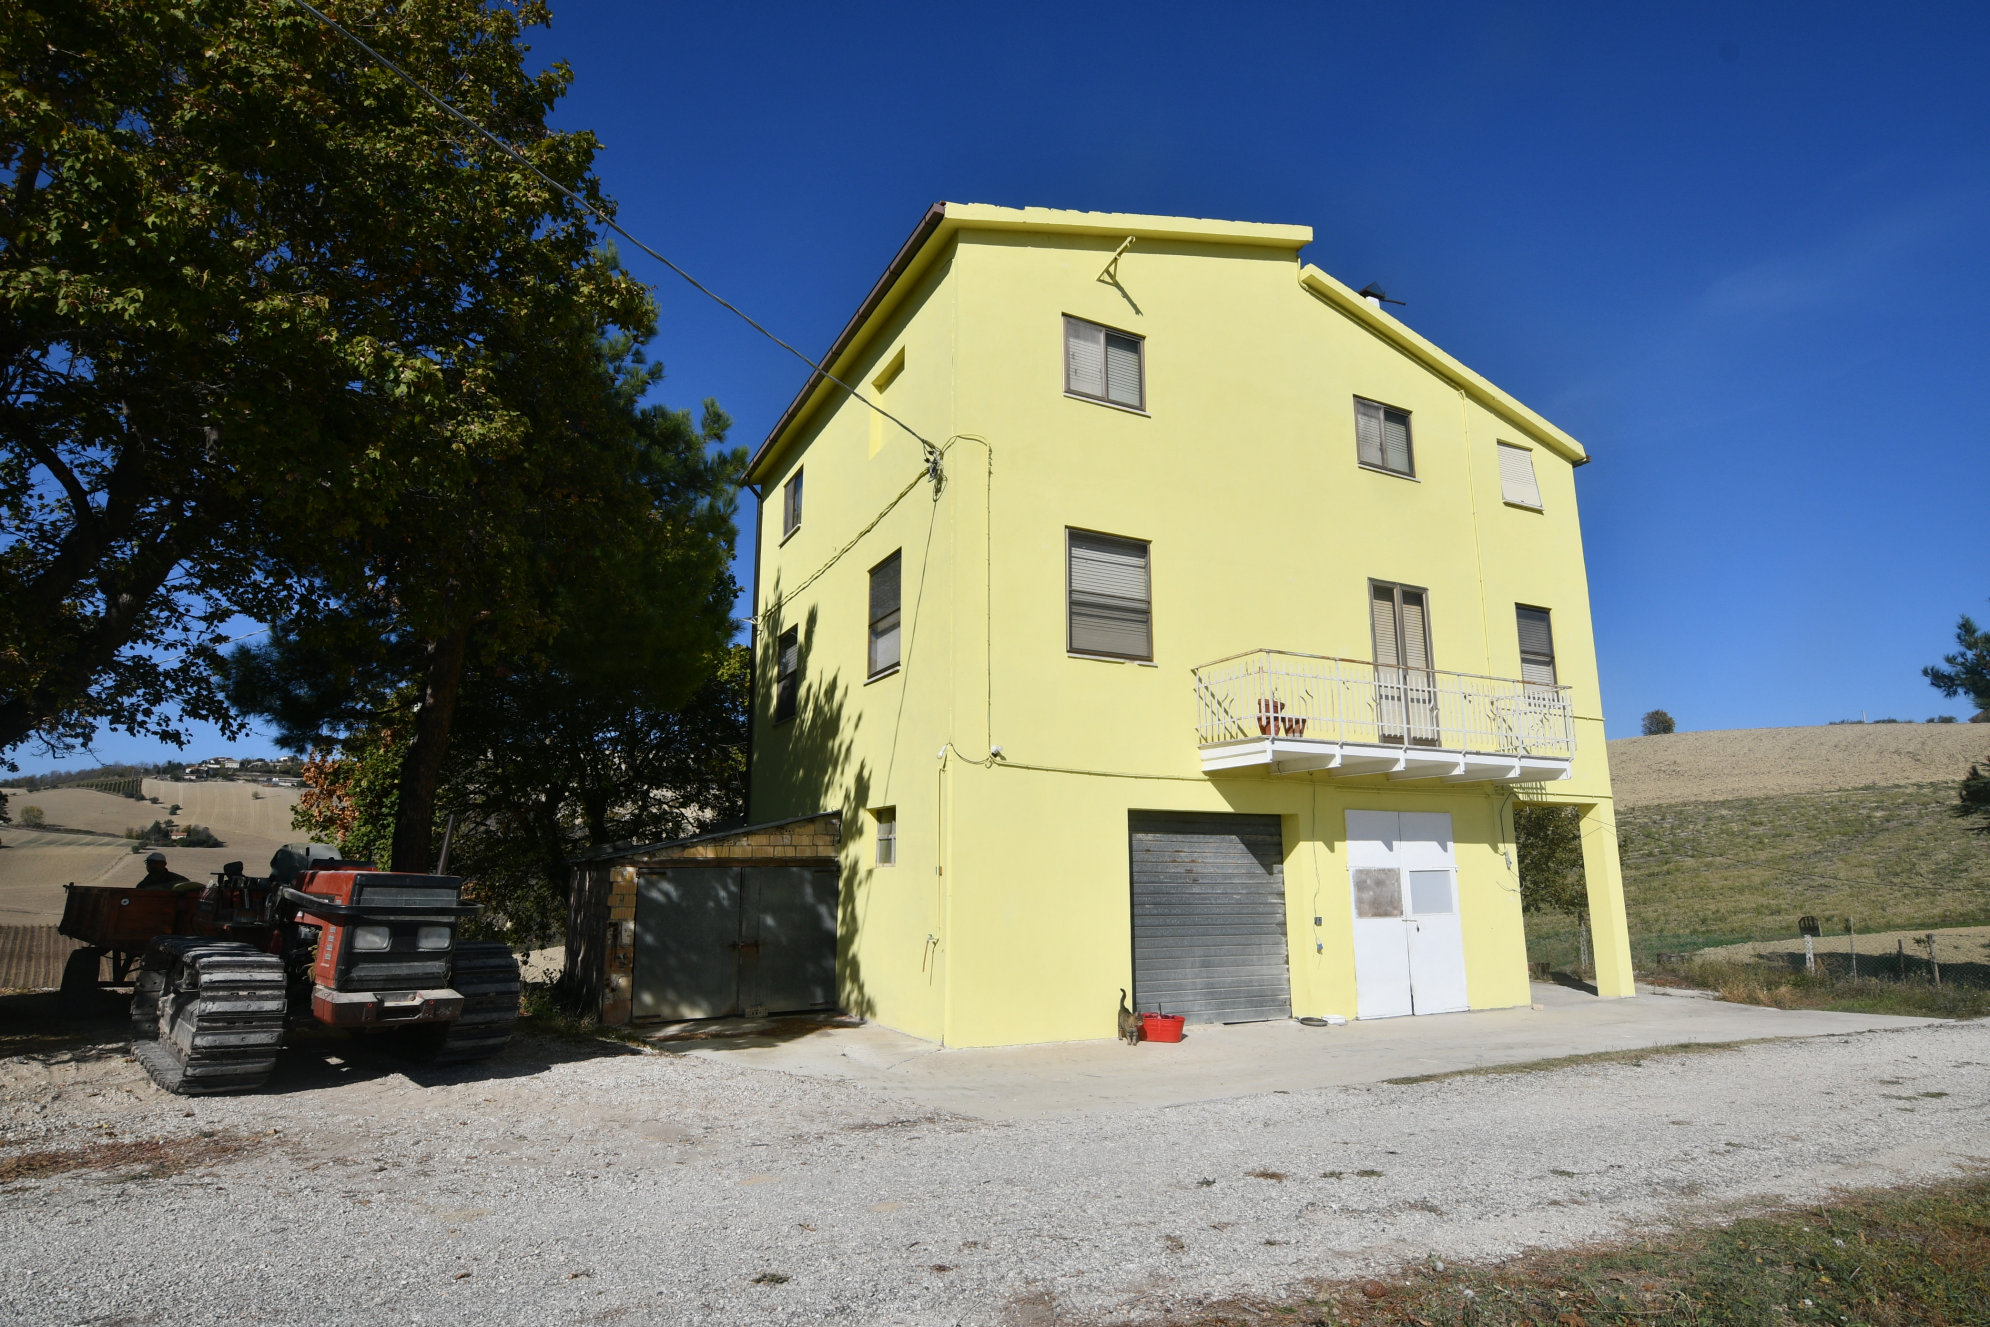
{"x": 158, "y": 857}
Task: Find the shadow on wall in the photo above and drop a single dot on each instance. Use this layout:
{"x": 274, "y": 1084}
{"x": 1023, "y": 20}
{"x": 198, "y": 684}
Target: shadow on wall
{"x": 806, "y": 765}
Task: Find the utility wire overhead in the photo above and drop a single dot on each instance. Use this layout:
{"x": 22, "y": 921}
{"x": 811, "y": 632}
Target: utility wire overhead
{"x": 601, "y": 216}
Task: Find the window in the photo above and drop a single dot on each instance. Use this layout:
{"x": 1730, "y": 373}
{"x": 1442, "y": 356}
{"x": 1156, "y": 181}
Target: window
{"x": 791, "y": 504}
{"x": 1104, "y": 365}
{"x": 1517, "y": 484}
{"x": 1110, "y": 607}
{"x": 1402, "y": 626}
{"x": 1406, "y": 705}
{"x": 1382, "y": 437}
{"x": 884, "y": 615}
{"x": 1537, "y": 646}
{"x": 886, "y": 819}
{"x": 787, "y": 674}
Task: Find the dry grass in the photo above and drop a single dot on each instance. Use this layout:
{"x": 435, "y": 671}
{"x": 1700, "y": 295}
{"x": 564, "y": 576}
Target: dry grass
{"x": 1778, "y": 986}
{"x": 1634, "y": 1058}
{"x": 133, "y": 1159}
{"x": 1766, "y": 762}
{"x": 1889, "y": 1259}
{"x": 1726, "y": 872}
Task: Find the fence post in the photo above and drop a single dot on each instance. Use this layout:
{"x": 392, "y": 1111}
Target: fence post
{"x": 1901, "y": 949}
{"x": 1852, "y": 942}
{"x": 1932, "y": 962}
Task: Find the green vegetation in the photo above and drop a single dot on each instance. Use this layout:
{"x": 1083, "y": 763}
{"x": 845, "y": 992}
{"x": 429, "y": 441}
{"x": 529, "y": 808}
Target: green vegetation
{"x": 1887, "y": 1259}
{"x": 33, "y": 817}
{"x": 1713, "y": 873}
{"x": 164, "y": 833}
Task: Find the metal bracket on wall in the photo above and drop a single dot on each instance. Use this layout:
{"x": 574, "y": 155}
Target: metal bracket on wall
{"x": 1110, "y": 275}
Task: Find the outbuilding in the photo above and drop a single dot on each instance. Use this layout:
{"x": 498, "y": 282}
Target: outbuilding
{"x": 735, "y": 921}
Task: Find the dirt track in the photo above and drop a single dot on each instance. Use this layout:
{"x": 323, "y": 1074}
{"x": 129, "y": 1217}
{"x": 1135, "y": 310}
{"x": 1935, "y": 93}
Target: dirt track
{"x": 1766, "y": 762}
{"x": 569, "y": 1184}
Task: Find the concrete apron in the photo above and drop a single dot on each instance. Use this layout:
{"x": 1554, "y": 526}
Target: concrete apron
{"x": 1248, "y": 1059}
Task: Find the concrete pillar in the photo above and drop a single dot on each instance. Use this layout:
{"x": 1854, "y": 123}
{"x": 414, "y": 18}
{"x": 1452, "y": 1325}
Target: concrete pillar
{"x": 1608, "y": 930}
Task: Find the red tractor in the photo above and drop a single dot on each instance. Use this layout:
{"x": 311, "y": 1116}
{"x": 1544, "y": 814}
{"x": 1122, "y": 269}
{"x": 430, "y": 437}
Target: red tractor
{"x": 219, "y": 973}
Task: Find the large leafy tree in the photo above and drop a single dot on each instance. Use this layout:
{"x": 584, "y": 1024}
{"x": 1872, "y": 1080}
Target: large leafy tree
{"x": 609, "y": 726}
{"x": 277, "y": 340}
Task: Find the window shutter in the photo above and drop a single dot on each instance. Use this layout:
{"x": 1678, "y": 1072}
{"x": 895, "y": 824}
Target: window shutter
{"x": 1416, "y": 636}
{"x": 1368, "y": 433}
{"x": 787, "y": 674}
{"x": 1382, "y": 611}
{"x": 1517, "y": 483}
{"x": 885, "y": 578}
{"x": 1537, "y": 646}
{"x": 1111, "y": 610}
{"x": 1123, "y": 384}
{"x": 1084, "y": 358}
{"x": 1396, "y": 441}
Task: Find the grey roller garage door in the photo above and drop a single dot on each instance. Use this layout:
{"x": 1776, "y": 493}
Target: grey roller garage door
{"x": 1209, "y": 916}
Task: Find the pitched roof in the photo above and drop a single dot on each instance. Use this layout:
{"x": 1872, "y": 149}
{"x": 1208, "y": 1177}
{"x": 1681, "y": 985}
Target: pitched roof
{"x": 943, "y": 220}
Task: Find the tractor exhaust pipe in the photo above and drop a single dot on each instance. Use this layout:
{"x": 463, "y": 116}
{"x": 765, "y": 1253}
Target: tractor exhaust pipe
{"x": 448, "y": 833}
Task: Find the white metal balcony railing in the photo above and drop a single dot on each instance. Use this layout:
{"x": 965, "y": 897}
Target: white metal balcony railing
{"x": 1298, "y": 712}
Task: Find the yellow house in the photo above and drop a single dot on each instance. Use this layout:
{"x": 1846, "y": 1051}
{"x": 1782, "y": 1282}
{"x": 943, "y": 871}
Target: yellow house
{"x": 1168, "y": 617}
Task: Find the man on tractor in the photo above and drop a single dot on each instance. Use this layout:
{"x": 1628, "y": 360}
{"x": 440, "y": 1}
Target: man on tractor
{"x": 158, "y": 877}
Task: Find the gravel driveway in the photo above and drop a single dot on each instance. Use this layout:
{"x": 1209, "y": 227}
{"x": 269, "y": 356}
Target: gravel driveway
{"x": 575, "y": 1186}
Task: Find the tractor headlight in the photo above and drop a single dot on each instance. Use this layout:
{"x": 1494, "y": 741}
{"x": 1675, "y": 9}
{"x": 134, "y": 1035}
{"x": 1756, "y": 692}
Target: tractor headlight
{"x": 371, "y": 937}
{"x": 432, "y": 937}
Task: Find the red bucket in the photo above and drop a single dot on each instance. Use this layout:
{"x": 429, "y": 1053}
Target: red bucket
{"x": 1161, "y": 1027}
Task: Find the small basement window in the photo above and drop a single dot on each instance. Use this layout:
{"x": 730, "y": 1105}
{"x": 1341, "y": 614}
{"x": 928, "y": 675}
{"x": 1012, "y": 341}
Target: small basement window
{"x": 884, "y": 615}
{"x": 1517, "y": 483}
{"x": 791, "y": 504}
{"x": 1104, "y": 365}
{"x": 1382, "y": 438}
{"x": 886, "y": 820}
{"x": 787, "y": 674}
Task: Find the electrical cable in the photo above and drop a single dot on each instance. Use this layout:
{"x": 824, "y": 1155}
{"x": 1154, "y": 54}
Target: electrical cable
{"x": 599, "y": 215}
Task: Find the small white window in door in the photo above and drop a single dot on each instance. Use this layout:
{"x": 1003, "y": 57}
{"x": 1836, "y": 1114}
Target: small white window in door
{"x": 1517, "y": 484}
{"x": 1378, "y": 891}
{"x": 1430, "y": 894}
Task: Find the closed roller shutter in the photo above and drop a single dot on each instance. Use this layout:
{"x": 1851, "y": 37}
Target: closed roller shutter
{"x": 1209, "y": 937}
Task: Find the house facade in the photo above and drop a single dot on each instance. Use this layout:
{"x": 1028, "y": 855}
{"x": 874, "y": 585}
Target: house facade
{"x": 1172, "y": 619}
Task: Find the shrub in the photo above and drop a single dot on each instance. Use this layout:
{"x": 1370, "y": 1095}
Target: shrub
{"x": 32, "y": 817}
{"x": 1657, "y": 722}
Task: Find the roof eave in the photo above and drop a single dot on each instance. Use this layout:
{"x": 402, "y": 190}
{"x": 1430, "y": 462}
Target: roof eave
{"x": 944, "y": 218}
{"x": 1474, "y": 385}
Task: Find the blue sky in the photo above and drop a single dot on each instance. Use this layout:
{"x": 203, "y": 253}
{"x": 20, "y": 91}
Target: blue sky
{"x": 1738, "y": 251}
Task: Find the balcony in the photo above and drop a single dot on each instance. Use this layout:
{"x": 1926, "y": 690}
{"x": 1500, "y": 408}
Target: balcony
{"x": 1297, "y": 713}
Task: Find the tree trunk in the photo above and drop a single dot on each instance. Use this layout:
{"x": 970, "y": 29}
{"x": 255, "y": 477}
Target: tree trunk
{"x": 421, "y": 764}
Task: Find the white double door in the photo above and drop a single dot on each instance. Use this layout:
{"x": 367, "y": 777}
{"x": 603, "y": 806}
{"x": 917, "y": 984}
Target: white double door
{"x": 1409, "y": 948}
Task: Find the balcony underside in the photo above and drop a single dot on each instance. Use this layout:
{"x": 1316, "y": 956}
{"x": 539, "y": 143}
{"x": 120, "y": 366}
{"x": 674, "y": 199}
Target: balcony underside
{"x": 1303, "y": 755}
